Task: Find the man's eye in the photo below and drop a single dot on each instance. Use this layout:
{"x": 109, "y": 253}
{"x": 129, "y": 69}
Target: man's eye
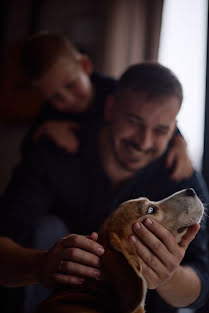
{"x": 132, "y": 122}
{"x": 161, "y": 132}
{"x": 70, "y": 85}
{"x": 151, "y": 210}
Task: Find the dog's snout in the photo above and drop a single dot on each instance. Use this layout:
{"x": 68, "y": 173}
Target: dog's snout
{"x": 190, "y": 192}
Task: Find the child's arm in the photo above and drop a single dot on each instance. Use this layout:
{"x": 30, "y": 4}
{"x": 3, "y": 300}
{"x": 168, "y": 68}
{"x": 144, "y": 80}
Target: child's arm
{"x": 61, "y": 132}
{"x": 178, "y": 159}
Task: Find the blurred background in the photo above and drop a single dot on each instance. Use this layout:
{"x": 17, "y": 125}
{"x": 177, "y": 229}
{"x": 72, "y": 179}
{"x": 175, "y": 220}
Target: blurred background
{"x": 115, "y": 34}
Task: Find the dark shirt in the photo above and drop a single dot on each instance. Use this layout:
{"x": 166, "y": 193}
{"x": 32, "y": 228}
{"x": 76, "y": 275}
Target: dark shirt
{"x": 74, "y": 187}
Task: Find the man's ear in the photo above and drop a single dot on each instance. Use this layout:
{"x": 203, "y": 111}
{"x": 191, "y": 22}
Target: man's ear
{"x": 86, "y": 64}
{"x": 108, "y": 110}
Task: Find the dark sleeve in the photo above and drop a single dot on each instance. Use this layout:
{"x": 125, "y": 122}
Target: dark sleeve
{"x": 27, "y": 198}
{"x": 197, "y": 253}
{"x": 46, "y": 113}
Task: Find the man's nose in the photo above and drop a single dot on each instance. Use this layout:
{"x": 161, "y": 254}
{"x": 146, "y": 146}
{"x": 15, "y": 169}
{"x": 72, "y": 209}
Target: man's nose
{"x": 145, "y": 140}
{"x": 67, "y": 97}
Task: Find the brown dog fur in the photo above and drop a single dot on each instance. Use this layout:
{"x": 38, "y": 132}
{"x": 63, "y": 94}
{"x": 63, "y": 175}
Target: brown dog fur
{"x": 124, "y": 288}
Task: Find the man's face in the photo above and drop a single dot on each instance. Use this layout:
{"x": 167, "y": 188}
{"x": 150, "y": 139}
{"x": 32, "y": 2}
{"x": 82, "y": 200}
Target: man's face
{"x": 140, "y": 128}
{"x": 67, "y": 86}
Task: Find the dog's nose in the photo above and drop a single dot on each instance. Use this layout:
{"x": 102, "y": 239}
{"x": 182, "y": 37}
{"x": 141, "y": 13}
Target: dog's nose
{"x": 190, "y": 192}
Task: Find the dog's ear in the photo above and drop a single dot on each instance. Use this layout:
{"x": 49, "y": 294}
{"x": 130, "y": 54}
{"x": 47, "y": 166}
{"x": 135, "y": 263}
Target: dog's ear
{"x": 127, "y": 281}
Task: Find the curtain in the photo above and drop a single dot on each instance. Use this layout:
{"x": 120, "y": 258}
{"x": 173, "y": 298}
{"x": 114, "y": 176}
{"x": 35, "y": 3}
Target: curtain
{"x": 132, "y": 33}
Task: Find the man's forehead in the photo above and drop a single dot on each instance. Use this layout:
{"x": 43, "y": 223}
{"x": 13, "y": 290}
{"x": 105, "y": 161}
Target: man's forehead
{"x": 158, "y": 110}
{"x": 129, "y": 96}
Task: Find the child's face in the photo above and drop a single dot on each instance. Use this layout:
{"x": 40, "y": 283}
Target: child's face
{"x": 67, "y": 86}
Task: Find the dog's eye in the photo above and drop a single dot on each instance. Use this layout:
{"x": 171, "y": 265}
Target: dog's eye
{"x": 181, "y": 229}
{"x": 151, "y": 210}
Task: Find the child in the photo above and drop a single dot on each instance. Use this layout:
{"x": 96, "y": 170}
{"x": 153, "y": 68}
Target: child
{"x": 73, "y": 94}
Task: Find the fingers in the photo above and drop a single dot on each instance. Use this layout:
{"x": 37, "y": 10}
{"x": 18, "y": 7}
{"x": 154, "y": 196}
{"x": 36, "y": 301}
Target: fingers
{"x": 61, "y": 132}
{"x": 93, "y": 236}
{"x": 79, "y": 258}
{"x": 170, "y": 159}
{"x": 158, "y": 241}
{"x": 72, "y": 125}
{"x": 68, "y": 142}
{"x": 79, "y": 270}
{"x": 83, "y": 242}
{"x": 179, "y": 160}
{"x": 189, "y": 236}
{"x": 158, "y": 251}
{"x": 182, "y": 169}
{"x": 177, "y": 174}
{"x": 62, "y": 279}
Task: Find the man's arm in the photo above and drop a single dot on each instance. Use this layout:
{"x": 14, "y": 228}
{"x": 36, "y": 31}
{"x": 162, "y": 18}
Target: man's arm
{"x": 182, "y": 289}
{"x": 19, "y": 266}
{"x": 27, "y": 199}
{"x": 68, "y": 262}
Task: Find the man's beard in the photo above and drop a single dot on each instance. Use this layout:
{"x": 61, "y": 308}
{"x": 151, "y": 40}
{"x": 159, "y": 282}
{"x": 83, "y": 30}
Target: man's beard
{"x": 129, "y": 143}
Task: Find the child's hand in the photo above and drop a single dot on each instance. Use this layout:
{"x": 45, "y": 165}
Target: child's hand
{"x": 178, "y": 159}
{"x": 61, "y": 132}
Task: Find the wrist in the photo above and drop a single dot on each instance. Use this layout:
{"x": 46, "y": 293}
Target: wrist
{"x": 38, "y": 265}
{"x": 189, "y": 287}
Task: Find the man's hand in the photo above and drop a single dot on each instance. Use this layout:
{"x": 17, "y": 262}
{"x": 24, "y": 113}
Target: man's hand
{"x": 72, "y": 259}
{"x": 178, "y": 158}
{"x": 61, "y": 132}
{"x": 159, "y": 253}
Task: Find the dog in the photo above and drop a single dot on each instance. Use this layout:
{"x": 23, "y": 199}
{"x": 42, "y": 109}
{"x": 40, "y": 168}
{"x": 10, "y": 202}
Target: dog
{"x": 124, "y": 288}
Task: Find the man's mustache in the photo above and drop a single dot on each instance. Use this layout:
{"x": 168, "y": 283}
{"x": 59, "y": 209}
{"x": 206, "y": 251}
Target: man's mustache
{"x": 136, "y": 146}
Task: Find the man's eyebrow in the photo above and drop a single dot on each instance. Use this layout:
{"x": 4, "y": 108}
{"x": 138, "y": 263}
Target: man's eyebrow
{"x": 164, "y": 127}
{"x": 135, "y": 116}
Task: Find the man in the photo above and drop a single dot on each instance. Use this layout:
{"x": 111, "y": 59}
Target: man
{"x": 123, "y": 159}
{"x": 73, "y": 92}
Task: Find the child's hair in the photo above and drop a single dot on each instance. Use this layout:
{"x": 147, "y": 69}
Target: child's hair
{"x": 42, "y": 50}
{"x": 153, "y": 79}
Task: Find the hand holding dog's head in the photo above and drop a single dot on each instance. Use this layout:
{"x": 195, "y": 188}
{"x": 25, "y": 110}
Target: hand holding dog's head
{"x": 178, "y": 213}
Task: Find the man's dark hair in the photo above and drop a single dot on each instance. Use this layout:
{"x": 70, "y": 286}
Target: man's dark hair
{"x": 153, "y": 79}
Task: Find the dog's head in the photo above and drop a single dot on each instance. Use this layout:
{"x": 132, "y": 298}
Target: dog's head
{"x": 176, "y": 213}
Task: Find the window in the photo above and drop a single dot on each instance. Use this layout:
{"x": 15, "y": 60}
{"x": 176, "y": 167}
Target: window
{"x": 183, "y": 50}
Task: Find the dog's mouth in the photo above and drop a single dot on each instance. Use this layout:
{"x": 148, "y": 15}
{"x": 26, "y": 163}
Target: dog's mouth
{"x": 181, "y": 229}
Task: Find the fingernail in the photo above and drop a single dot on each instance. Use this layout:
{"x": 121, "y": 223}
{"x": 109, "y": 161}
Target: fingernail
{"x": 132, "y": 238}
{"x": 100, "y": 251}
{"x": 148, "y": 221}
{"x": 97, "y": 274}
{"x": 137, "y": 226}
